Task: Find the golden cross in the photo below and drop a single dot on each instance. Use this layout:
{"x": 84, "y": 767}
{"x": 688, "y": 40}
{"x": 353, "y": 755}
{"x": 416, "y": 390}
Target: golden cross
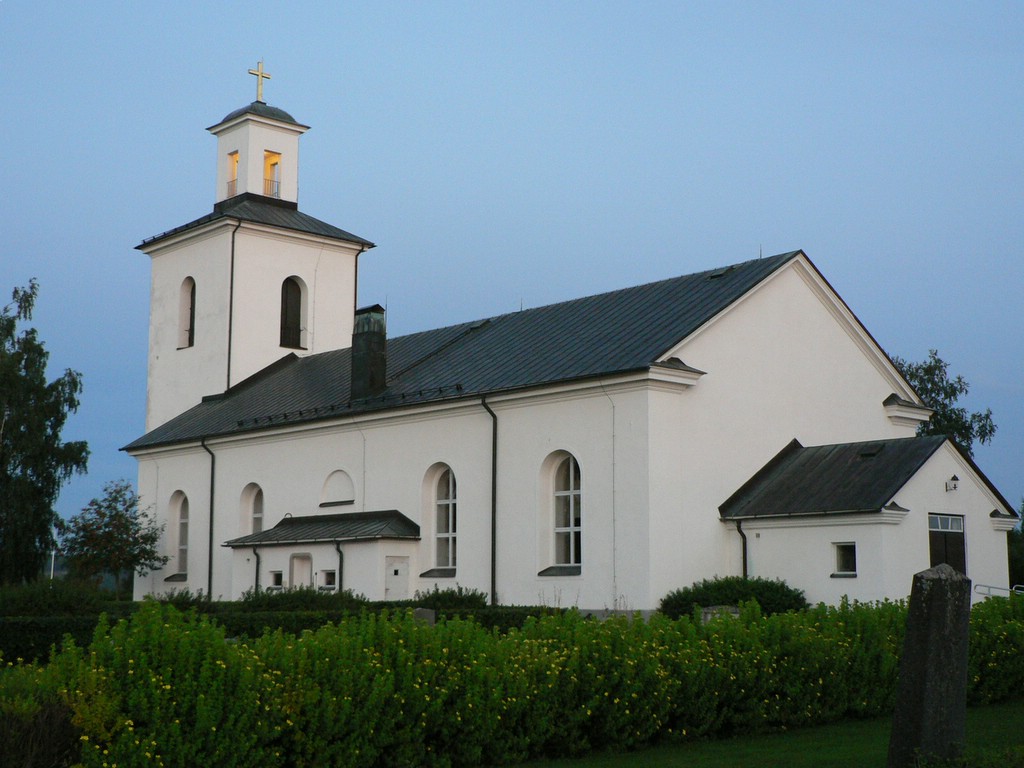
{"x": 260, "y": 77}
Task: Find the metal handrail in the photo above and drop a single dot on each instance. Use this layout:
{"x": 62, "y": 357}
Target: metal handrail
{"x": 989, "y": 590}
{"x": 232, "y": 187}
{"x": 272, "y": 188}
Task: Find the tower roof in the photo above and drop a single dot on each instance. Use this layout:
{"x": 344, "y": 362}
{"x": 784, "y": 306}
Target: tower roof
{"x": 260, "y": 209}
{"x": 262, "y": 110}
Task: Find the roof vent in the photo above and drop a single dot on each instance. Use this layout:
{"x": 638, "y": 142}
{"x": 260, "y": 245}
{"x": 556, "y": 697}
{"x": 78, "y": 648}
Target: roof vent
{"x": 870, "y": 451}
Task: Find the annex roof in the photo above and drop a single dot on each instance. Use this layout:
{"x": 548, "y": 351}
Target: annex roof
{"x": 834, "y": 479}
{"x": 611, "y": 333}
{"x": 351, "y": 526}
{"x": 262, "y": 210}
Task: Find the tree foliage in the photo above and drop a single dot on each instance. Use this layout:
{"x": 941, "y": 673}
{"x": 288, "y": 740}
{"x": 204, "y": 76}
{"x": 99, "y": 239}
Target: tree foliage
{"x": 112, "y": 535}
{"x": 930, "y": 379}
{"x": 34, "y": 462}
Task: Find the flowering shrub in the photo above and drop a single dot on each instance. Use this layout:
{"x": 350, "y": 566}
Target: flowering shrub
{"x": 165, "y": 689}
{"x": 383, "y": 689}
{"x": 35, "y": 725}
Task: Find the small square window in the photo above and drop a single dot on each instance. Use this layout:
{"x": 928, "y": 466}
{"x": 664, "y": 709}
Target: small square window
{"x": 846, "y": 560}
{"x": 276, "y": 579}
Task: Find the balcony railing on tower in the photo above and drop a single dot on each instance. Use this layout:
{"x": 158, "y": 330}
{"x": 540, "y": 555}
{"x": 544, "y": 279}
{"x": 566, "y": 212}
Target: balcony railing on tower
{"x": 232, "y": 187}
{"x": 272, "y": 188}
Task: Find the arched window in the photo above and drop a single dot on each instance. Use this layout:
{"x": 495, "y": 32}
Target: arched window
{"x": 251, "y": 509}
{"x": 445, "y": 531}
{"x": 568, "y": 513}
{"x": 291, "y": 313}
{"x": 179, "y": 513}
{"x": 338, "y": 490}
{"x": 257, "y": 511}
{"x": 187, "y": 314}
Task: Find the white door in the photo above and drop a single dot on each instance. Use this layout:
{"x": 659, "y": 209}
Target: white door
{"x": 396, "y": 578}
{"x": 302, "y": 571}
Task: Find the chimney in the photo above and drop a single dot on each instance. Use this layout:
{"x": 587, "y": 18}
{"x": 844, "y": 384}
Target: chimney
{"x": 369, "y": 352}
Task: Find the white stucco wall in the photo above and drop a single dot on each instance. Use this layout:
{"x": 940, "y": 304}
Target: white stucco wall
{"x": 657, "y": 459}
{"x": 785, "y": 361}
{"x": 263, "y": 259}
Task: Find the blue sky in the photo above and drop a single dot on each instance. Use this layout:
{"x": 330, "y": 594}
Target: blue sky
{"x": 515, "y": 154}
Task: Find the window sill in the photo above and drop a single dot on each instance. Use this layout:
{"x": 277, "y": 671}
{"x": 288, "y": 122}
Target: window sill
{"x": 337, "y": 503}
{"x": 177, "y": 577}
{"x": 562, "y": 570}
{"x": 438, "y": 573}
{"x": 843, "y": 576}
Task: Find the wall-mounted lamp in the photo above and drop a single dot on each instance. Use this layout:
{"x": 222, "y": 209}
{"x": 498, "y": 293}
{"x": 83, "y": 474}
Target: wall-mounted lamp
{"x": 953, "y": 483}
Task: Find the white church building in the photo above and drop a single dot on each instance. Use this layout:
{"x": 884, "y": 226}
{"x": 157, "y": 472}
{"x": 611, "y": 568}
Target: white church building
{"x": 595, "y": 453}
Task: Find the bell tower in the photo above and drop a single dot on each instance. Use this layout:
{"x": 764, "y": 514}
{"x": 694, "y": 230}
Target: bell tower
{"x": 255, "y": 280}
{"x": 258, "y": 150}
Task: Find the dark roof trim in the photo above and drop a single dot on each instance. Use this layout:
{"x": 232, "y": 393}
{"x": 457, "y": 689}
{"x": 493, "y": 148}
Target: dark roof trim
{"x": 827, "y": 480}
{"x": 793, "y": 447}
{"x": 323, "y": 529}
{"x": 268, "y": 211}
{"x": 260, "y": 109}
{"x": 369, "y": 406}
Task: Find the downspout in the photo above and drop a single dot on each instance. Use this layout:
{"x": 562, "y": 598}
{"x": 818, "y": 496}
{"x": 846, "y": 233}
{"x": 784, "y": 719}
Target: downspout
{"x": 494, "y": 500}
{"x": 341, "y": 564}
{"x": 256, "y": 581}
{"x": 209, "y": 547}
{"x": 231, "y": 302}
{"x": 739, "y": 530}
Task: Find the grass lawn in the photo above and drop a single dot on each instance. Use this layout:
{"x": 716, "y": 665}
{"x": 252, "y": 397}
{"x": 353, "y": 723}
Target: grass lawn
{"x": 991, "y": 731}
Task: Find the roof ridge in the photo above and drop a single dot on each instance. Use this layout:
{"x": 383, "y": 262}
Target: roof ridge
{"x": 640, "y": 286}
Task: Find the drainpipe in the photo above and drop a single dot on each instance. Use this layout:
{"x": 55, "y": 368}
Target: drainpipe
{"x": 494, "y": 500}
{"x": 341, "y": 564}
{"x": 231, "y": 302}
{"x": 209, "y": 547}
{"x": 256, "y": 581}
{"x": 739, "y": 530}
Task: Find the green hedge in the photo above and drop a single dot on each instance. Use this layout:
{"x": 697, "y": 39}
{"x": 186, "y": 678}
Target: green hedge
{"x": 378, "y": 689}
{"x": 773, "y": 595}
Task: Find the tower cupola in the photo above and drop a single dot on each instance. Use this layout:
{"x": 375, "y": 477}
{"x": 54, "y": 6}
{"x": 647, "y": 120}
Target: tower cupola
{"x": 258, "y": 150}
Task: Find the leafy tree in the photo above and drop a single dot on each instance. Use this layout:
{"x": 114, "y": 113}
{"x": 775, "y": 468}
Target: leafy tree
{"x": 34, "y": 463}
{"x": 112, "y": 535}
{"x": 930, "y": 379}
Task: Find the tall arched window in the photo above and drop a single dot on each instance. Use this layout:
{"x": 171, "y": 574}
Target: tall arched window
{"x": 445, "y": 507}
{"x": 257, "y": 511}
{"x": 187, "y": 314}
{"x": 179, "y": 513}
{"x": 568, "y": 513}
{"x": 291, "y": 313}
{"x": 251, "y": 509}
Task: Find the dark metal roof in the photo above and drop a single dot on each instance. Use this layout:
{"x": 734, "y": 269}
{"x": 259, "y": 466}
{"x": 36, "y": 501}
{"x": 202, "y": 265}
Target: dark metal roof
{"x": 263, "y": 110}
{"x": 622, "y": 331}
{"x": 831, "y": 479}
{"x": 352, "y": 526}
{"x": 263, "y": 210}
